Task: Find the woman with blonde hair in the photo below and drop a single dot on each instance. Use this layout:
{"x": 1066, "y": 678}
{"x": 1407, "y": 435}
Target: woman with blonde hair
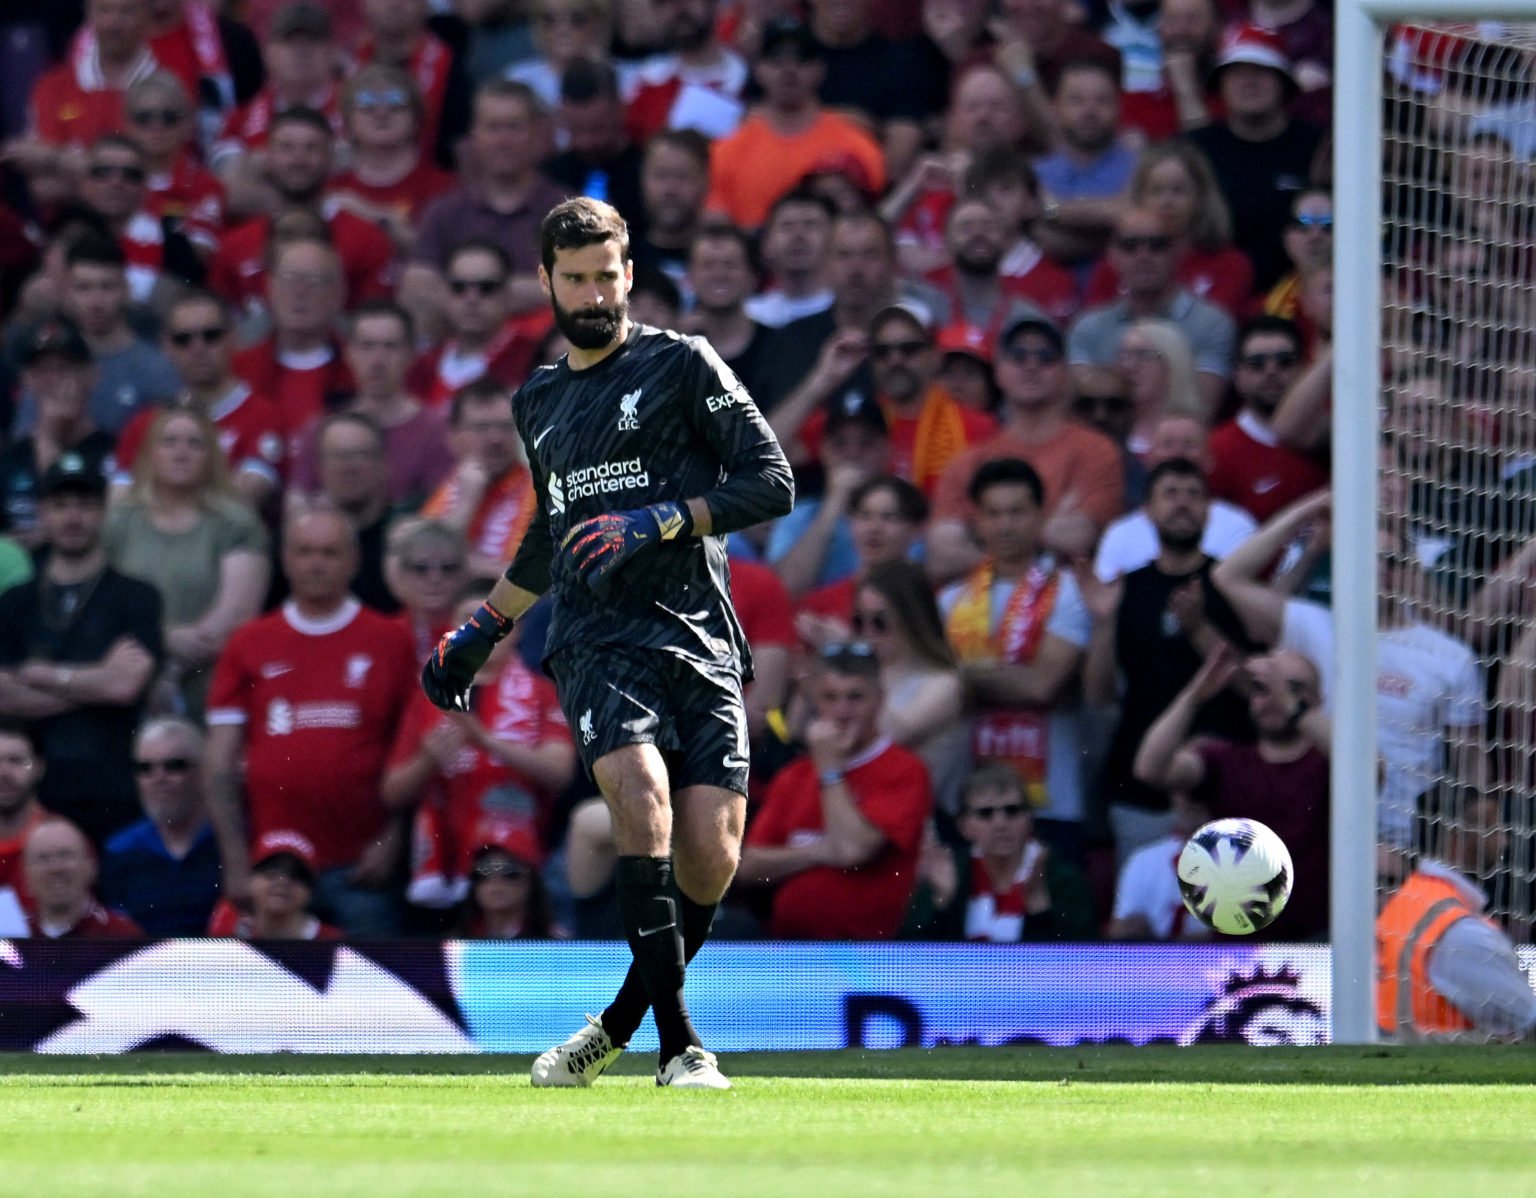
{"x": 1156, "y": 359}
{"x": 183, "y": 528}
{"x": 1174, "y": 180}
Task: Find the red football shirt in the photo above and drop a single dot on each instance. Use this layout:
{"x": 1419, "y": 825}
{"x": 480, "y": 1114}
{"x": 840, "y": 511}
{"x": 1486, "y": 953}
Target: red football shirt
{"x": 300, "y": 388}
{"x": 250, "y": 434}
{"x": 1249, "y": 467}
{"x": 10, "y": 855}
{"x": 1224, "y": 277}
{"x": 228, "y": 920}
{"x": 246, "y": 128}
{"x": 444, "y": 369}
{"x": 975, "y": 427}
{"x": 1023, "y": 278}
{"x": 66, "y": 114}
{"x": 834, "y": 600}
{"x": 407, "y": 197}
{"x": 238, "y": 271}
{"x": 193, "y": 198}
{"x": 890, "y": 785}
{"x": 320, "y": 702}
{"x": 762, "y": 605}
{"x": 98, "y": 923}
{"x": 428, "y": 65}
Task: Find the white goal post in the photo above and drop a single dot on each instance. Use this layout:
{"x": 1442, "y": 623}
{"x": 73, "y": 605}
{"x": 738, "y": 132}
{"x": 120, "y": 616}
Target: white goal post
{"x": 1359, "y": 188}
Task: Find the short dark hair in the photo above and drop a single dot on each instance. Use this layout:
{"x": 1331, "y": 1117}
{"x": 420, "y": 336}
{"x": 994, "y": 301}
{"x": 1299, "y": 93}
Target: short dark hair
{"x": 652, "y": 280}
{"x": 1266, "y": 325}
{"x": 1079, "y": 65}
{"x": 484, "y": 389}
{"x": 382, "y": 307}
{"x": 1176, "y": 468}
{"x": 480, "y": 245}
{"x": 118, "y": 141}
{"x": 509, "y": 89}
{"x": 277, "y": 244}
{"x": 360, "y": 419}
{"x": 689, "y": 141}
{"x": 18, "y": 730}
{"x": 869, "y": 217}
{"x": 1006, "y": 472}
{"x": 197, "y": 295}
{"x": 992, "y": 776}
{"x": 302, "y": 114}
{"x": 92, "y": 249}
{"x": 910, "y": 502}
{"x": 853, "y": 659}
{"x": 799, "y": 197}
{"x": 585, "y": 80}
{"x": 725, "y": 231}
{"x": 580, "y": 222}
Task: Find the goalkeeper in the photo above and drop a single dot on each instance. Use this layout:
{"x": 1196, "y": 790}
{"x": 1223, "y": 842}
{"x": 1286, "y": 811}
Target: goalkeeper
{"x": 645, "y": 451}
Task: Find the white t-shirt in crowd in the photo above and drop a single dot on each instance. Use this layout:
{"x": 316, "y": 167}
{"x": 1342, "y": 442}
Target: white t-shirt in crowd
{"x": 775, "y": 309}
{"x": 1131, "y": 541}
{"x": 1426, "y": 682}
{"x": 1149, "y": 887}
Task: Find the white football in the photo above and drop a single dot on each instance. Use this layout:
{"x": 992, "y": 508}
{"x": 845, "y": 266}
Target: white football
{"x": 1235, "y": 874}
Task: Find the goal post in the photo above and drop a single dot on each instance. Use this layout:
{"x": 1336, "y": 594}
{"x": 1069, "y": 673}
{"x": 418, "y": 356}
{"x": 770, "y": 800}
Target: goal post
{"x": 1440, "y": 276}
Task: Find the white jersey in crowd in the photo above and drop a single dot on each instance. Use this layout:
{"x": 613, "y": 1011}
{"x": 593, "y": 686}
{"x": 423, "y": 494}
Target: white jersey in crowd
{"x": 1426, "y": 682}
{"x": 1149, "y": 887}
{"x": 775, "y": 309}
{"x": 1131, "y": 541}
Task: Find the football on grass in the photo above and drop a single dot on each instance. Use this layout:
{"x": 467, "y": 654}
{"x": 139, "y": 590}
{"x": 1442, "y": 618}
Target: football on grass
{"x": 1235, "y": 874}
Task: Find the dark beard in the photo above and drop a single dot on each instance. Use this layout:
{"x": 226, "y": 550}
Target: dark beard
{"x": 691, "y": 36}
{"x": 591, "y": 328}
{"x": 984, "y": 264}
{"x": 1180, "y": 543}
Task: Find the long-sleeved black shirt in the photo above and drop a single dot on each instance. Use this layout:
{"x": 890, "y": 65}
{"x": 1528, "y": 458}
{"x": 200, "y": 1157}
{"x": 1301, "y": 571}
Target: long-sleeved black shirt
{"x": 661, "y": 418}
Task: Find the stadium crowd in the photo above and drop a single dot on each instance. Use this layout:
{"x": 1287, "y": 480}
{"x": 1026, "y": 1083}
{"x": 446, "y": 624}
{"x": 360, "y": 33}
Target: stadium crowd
{"x": 1037, "y": 297}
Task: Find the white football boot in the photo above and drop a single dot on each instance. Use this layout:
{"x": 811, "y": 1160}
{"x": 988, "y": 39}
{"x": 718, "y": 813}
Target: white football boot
{"x": 692, "y": 1069}
{"x": 580, "y": 1061}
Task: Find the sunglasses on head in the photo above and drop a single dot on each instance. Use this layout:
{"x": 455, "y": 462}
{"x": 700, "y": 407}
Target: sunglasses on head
{"x": 479, "y": 286}
{"x": 367, "y": 101}
{"x": 171, "y": 765}
{"x": 1008, "y": 810}
{"x": 1041, "y": 355}
{"x": 881, "y": 350}
{"x": 209, "y": 336}
{"x": 847, "y": 651}
{"x": 1325, "y": 223}
{"x": 1258, "y": 361}
{"x": 1155, "y": 242}
{"x": 509, "y": 870}
{"x": 870, "y": 623}
{"x": 165, "y": 117}
{"x": 112, "y": 170}
{"x": 424, "y": 568}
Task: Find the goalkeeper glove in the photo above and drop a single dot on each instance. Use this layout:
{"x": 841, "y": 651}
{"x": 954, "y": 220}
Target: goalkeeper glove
{"x": 451, "y": 669}
{"x": 601, "y": 545}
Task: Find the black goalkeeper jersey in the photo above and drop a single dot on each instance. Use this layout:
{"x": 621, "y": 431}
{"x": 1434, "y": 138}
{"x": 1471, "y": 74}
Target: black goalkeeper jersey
{"x": 661, "y": 418}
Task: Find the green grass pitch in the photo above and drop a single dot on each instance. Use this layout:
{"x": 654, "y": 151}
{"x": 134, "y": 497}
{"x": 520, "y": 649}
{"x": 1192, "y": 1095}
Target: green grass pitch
{"x": 1384, "y": 1123}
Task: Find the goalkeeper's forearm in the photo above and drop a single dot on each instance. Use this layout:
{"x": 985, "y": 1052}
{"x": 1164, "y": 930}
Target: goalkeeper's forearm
{"x": 510, "y": 599}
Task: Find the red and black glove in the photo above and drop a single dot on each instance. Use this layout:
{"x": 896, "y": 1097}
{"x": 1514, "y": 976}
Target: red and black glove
{"x": 599, "y": 546}
{"x": 451, "y": 669}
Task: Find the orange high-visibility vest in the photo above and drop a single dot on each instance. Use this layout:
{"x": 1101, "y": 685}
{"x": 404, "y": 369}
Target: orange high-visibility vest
{"x": 1407, "y": 930}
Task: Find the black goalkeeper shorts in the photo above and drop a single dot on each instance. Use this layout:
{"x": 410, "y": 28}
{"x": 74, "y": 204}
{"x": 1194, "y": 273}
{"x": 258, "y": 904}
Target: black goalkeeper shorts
{"x": 615, "y": 695}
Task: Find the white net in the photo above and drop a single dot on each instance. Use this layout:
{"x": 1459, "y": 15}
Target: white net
{"x": 1457, "y": 618}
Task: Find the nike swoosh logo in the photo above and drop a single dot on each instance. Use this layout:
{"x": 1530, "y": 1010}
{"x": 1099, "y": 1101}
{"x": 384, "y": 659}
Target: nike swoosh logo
{"x": 539, "y": 440}
{"x": 652, "y": 931}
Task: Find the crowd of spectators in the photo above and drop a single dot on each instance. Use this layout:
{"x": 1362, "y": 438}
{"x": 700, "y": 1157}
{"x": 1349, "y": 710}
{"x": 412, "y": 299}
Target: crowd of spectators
{"x": 1036, "y": 295}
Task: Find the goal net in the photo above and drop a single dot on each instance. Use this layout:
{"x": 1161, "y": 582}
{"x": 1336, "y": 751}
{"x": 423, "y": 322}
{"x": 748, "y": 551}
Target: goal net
{"x": 1455, "y": 642}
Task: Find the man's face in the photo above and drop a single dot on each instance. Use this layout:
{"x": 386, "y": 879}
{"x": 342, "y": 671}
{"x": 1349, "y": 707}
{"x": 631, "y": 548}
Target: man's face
{"x": 1102, "y": 399}
{"x": 1039, "y": 22}
{"x": 477, "y": 294}
{"x": 1177, "y": 506}
{"x": 788, "y": 80}
{"x": 849, "y": 701}
{"x": 71, "y": 522}
{"x": 720, "y": 273}
{"x": 394, "y": 18}
{"x": 61, "y": 387}
{"x": 353, "y": 469}
{"x": 997, "y": 823}
{"x": 673, "y": 186}
{"x": 1008, "y": 522}
{"x": 1267, "y": 365}
{"x": 114, "y": 182}
{"x": 381, "y": 116}
{"x": 161, "y": 121}
{"x": 1283, "y": 689}
{"x": 861, "y": 270}
{"x": 279, "y": 889}
{"x": 976, "y": 239}
{"x": 58, "y": 866}
{"x": 968, "y": 379}
{"x": 1251, "y": 91}
{"x": 298, "y": 160}
{"x": 95, "y": 296}
{"x": 858, "y": 445}
{"x": 1031, "y": 371}
{"x": 505, "y": 137}
{"x": 1143, "y": 253}
{"x": 304, "y": 290}
{"x": 985, "y": 113}
{"x": 690, "y": 24}
{"x": 379, "y": 355}
{"x": 1308, "y": 237}
{"x": 589, "y": 292}
{"x": 902, "y": 360}
{"x": 318, "y": 557}
{"x": 427, "y": 578}
{"x": 486, "y": 433}
{"x": 120, "y": 25}
{"x": 18, "y": 773}
{"x": 1013, "y": 203}
{"x": 1177, "y": 437}
{"x": 594, "y": 129}
{"x": 795, "y": 241}
{"x": 300, "y": 65}
{"x": 1187, "y": 25}
{"x": 1088, "y": 110}
{"x": 881, "y": 532}
{"x": 165, "y": 766}
{"x": 197, "y": 342}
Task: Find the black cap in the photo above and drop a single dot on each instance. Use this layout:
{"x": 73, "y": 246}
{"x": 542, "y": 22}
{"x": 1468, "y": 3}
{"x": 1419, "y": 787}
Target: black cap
{"x": 1025, "y": 318}
{"x": 54, "y": 335}
{"x": 302, "y": 19}
{"x": 855, "y": 407}
{"x": 787, "y": 31}
{"x": 76, "y": 474}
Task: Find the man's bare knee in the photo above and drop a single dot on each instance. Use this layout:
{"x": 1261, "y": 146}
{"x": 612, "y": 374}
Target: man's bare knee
{"x": 707, "y": 845}
{"x": 633, "y": 780}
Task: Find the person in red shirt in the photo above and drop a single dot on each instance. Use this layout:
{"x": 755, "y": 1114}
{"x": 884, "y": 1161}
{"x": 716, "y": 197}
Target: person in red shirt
{"x": 978, "y": 288}
{"x": 60, "y": 869}
{"x": 299, "y": 160}
{"x": 398, "y": 37}
{"x": 198, "y": 338}
{"x": 20, "y": 812}
{"x": 390, "y": 180}
{"x": 181, "y": 192}
{"x": 507, "y": 899}
{"x": 483, "y": 336}
{"x": 838, "y": 836}
{"x": 697, "y": 84}
{"x": 299, "y": 367}
{"x": 115, "y": 189}
{"x": 283, "y": 874}
{"x": 510, "y": 755}
{"x": 311, "y": 696}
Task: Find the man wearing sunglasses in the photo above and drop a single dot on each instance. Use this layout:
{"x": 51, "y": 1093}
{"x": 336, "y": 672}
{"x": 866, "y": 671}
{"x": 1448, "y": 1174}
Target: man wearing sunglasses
{"x": 837, "y": 837}
{"x": 164, "y": 870}
{"x": 115, "y": 187}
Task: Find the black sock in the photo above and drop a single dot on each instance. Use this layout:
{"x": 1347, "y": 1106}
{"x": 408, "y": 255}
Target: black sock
{"x": 650, "y": 914}
{"x": 630, "y": 1004}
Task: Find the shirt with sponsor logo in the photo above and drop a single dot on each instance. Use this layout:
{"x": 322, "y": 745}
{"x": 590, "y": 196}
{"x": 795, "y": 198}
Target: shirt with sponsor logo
{"x": 320, "y": 701}
{"x": 660, "y": 418}
{"x": 250, "y": 434}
